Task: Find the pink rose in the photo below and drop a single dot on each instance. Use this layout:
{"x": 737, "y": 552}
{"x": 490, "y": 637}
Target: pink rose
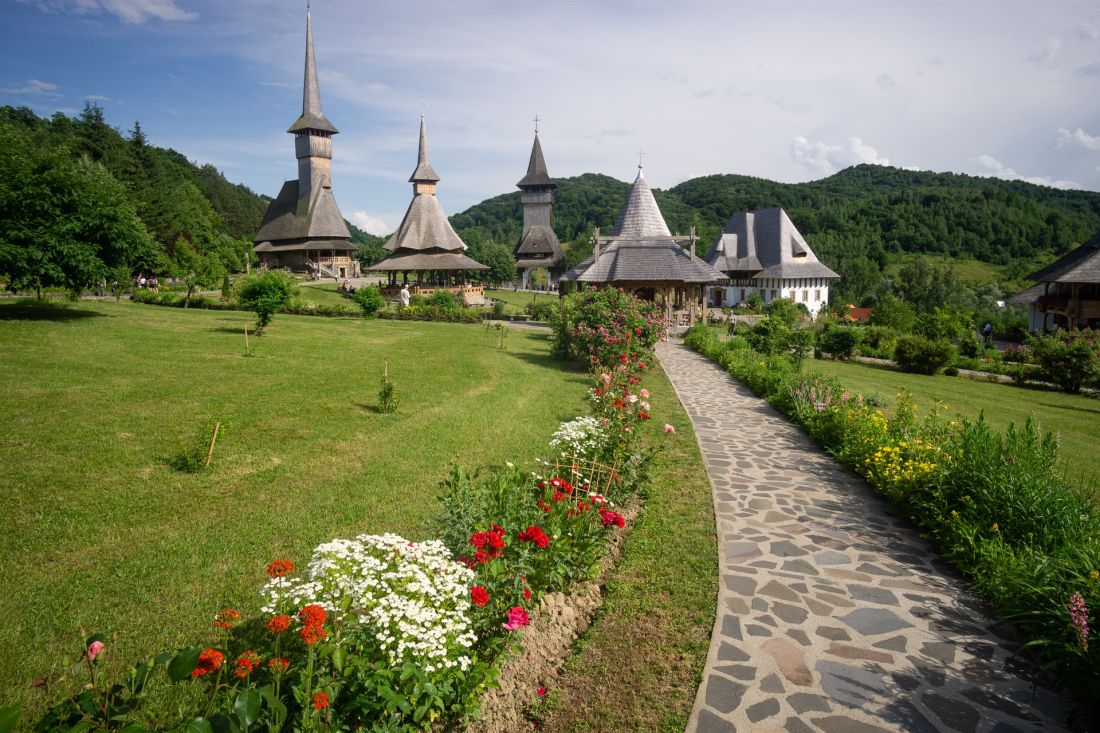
{"x": 645, "y": 394}
{"x": 632, "y": 398}
{"x": 517, "y": 618}
{"x": 645, "y": 405}
{"x": 669, "y": 428}
{"x": 94, "y": 649}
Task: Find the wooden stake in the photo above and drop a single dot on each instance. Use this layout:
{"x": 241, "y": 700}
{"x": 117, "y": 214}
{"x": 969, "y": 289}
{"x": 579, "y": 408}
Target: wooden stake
{"x": 246, "y": 340}
{"x": 386, "y": 369}
{"x": 213, "y": 440}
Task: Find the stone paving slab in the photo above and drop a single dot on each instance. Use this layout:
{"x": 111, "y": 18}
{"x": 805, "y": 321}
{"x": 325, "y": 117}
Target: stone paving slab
{"x": 833, "y": 615}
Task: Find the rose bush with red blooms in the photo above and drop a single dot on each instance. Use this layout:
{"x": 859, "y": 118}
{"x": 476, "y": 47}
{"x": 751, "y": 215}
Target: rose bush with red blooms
{"x": 479, "y": 596}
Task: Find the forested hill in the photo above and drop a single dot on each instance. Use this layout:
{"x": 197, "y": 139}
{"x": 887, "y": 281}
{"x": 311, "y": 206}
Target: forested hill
{"x": 860, "y": 217}
{"x": 79, "y": 198}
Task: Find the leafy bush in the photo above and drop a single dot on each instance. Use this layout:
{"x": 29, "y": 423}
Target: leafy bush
{"x": 387, "y": 395}
{"x": 542, "y": 309}
{"x": 191, "y": 456}
{"x": 1069, "y": 359}
{"x": 877, "y": 342}
{"x": 606, "y": 327}
{"x": 839, "y": 341}
{"x": 498, "y": 308}
{"x": 266, "y": 294}
{"x": 922, "y": 356}
{"x": 442, "y": 299}
{"x": 369, "y": 299}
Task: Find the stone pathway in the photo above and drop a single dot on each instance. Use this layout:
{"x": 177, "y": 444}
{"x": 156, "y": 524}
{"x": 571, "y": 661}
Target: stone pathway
{"x": 832, "y": 614}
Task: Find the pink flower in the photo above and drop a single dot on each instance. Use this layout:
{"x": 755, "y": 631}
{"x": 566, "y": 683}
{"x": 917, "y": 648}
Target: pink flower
{"x": 541, "y": 691}
{"x": 669, "y": 428}
{"x": 632, "y": 398}
{"x": 517, "y": 618}
{"x": 94, "y": 649}
{"x": 645, "y": 394}
{"x": 1079, "y": 618}
{"x": 606, "y": 378}
{"x": 644, "y": 405}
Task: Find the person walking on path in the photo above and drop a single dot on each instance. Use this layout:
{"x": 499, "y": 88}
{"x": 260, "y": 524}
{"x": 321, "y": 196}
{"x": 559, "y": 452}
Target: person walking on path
{"x": 832, "y": 614}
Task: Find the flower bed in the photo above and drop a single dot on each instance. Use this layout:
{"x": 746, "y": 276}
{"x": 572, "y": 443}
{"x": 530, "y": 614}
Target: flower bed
{"x": 382, "y": 633}
{"x": 996, "y": 505}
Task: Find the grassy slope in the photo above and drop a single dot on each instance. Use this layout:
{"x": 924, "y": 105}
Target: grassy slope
{"x": 325, "y": 294}
{"x": 638, "y": 667}
{"x": 516, "y": 300}
{"x": 102, "y": 534}
{"x": 1075, "y": 418}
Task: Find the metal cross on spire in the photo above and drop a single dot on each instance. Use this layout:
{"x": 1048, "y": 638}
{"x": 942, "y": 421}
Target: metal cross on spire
{"x": 641, "y": 154}
{"x": 536, "y": 124}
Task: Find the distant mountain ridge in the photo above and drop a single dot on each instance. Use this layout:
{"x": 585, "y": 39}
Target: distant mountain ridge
{"x": 867, "y": 212}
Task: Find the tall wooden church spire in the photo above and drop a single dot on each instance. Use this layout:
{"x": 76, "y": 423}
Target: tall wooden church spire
{"x": 424, "y": 177}
{"x": 313, "y": 118}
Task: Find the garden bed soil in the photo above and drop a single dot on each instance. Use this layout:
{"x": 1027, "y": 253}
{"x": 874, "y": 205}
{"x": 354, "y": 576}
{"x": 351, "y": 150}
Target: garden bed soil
{"x": 559, "y": 621}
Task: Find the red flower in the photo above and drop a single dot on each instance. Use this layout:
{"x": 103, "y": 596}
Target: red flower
{"x": 278, "y": 664}
{"x": 526, "y": 593}
{"x": 558, "y": 496}
{"x": 609, "y": 518}
{"x": 534, "y": 534}
{"x": 496, "y": 540}
{"x": 245, "y": 664}
{"x": 312, "y": 615}
{"x": 479, "y": 595}
{"x": 278, "y": 624}
{"x": 478, "y": 539}
{"x": 210, "y": 660}
{"x": 320, "y": 701}
{"x": 517, "y": 618}
{"x": 313, "y": 634}
{"x": 224, "y": 618}
{"x": 643, "y": 415}
{"x": 543, "y": 506}
{"x": 482, "y": 556}
{"x": 279, "y": 568}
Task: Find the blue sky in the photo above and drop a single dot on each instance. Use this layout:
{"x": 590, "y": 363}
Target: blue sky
{"x": 790, "y": 90}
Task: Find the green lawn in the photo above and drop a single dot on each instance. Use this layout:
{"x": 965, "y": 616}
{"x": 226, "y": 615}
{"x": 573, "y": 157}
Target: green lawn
{"x": 325, "y": 294}
{"x": 103, "y": 535}
{"x": 517, "y": 300}
{"x": 1075, "y": 418}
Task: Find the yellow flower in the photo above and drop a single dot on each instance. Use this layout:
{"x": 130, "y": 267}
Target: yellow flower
{"x": 1095, "y": 575}
{"x": 994, "y": 527}
{"x": 954, "y": 514}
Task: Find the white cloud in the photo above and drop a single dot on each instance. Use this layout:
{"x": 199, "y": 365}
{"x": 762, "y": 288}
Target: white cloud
{"x": 1077, "y": 138}
{"x": 131, "y": 12}
{"x": 1046, "y": 54}
{"x": 997, "y": 169}
{"x": 369, "y": 224}
{"x": 35, "y": 87}
{"x": 824, "y": 158}
{"x": 886, "y": 82}
{"x": 1089, "y": 31}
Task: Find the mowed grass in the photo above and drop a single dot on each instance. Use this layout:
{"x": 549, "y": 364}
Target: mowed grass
{"x": 325, "y": 294}
{"x": 101, "y": 535}
{"x": 1074, "y": 418}
{"x": 638, "y": 666}
{"x": 517, "y": 300}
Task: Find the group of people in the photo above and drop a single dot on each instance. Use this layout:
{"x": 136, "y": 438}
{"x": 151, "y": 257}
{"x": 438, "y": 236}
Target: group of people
{"x": 150, "y": 283}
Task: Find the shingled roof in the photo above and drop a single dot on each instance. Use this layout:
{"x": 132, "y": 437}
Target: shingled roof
{"x": 640, "y": 217}
{"x": 426, "y": 262}
{"x": 294, "y": 218}
{"x": 766, "y": 244}
{"x": 635, "y": 260}
{"x": 537, "y": 175}
{"x": 312, "y": 118}
{"x": 425, "y": 227}
{"x": 424, "y": 172}
{"x": 540, "y": 240}
{"x": 1081, "y": 265}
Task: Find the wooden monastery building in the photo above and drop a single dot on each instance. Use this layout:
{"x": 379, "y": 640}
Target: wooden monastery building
{"x": 763, "y": 252}
{"x": 643, "y": 257}
{"x": 1067, "y": 291}
{"x": 538, "y": 247}
{"x": 303, "y": 229}
{"x": 425, "y": 246}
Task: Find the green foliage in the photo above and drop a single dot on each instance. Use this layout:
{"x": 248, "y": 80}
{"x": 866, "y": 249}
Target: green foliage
{"x": 920, "y": 355}
{"x": 947, "y": 323}
{"x": 442, "y": 299}
{"x": 606, "y": 327}
{"x": 387, "y": 395}
{"x": 370, "y": 299}
{"x": 892, "y": 312}
{"x": 542, "y": 309}
{"x": 1069, "y": 359}
{"x": 192, "y": 453}
{"x": 838, "y": 341}
{"x": 266, "y": 293}
{"x": 787, "y": 311}
{"x": 877, "y": 342}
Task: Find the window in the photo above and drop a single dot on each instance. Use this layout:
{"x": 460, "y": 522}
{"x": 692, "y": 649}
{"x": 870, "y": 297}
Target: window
{"x": 817, "y": 296}
{"x": 805, "y": 295}
{"x": 773, "y": 294}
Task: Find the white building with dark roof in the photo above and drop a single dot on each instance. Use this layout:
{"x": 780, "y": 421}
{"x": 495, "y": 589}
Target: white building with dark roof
{"x": 538, "y": 246}
{"x": 303, "y": 229}
{"x": 1067, "y": 291}
{"x": 763, "y": 252}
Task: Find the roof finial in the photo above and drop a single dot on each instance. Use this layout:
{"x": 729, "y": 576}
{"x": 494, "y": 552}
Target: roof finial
{"x": 641, "y": 154}
{"x": 536, "y": 124}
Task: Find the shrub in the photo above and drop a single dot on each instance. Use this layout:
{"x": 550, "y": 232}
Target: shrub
{"x": 266, "y": 294}
{"x": 1069, "y": 359}
{"x": 877, "y": 342}
{"x": 387, "y": 395}
{"x": 443, "y": 299}
{"x": 606, "y": 327}
{"x": 498, "y": 308}
{"x": 839, "y": 341}
{"x": 951, "y": 371}
{"x": 542, "y": 309}
{"x": 369, "y": 299}
{"x": 922, "y": 356}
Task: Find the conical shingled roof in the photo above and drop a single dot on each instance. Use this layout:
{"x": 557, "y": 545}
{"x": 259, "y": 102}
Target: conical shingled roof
{"x": 424, "y": 172}
{"x": 313, "y": 118}
{"x": 537, "y": 174}
{"x": 649, "y": 261}
{"x": 766, "y": 244}
{"x": 640, "y": 218}
{"x": 424, "y": 227}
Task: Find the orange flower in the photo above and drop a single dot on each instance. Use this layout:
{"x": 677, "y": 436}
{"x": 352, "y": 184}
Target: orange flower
{"x": 279, "y": 568}
{"x": 312, "y": 615}
{"x": 277, "y": 664}
{"x": 278, "y": 624}
{"x": 245, "y": 664}
{"x": 225, "y": 618}
{"x": 210, "y": 660}
{"x": 320, "y": 701}
{"x": 313, "y": 634}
